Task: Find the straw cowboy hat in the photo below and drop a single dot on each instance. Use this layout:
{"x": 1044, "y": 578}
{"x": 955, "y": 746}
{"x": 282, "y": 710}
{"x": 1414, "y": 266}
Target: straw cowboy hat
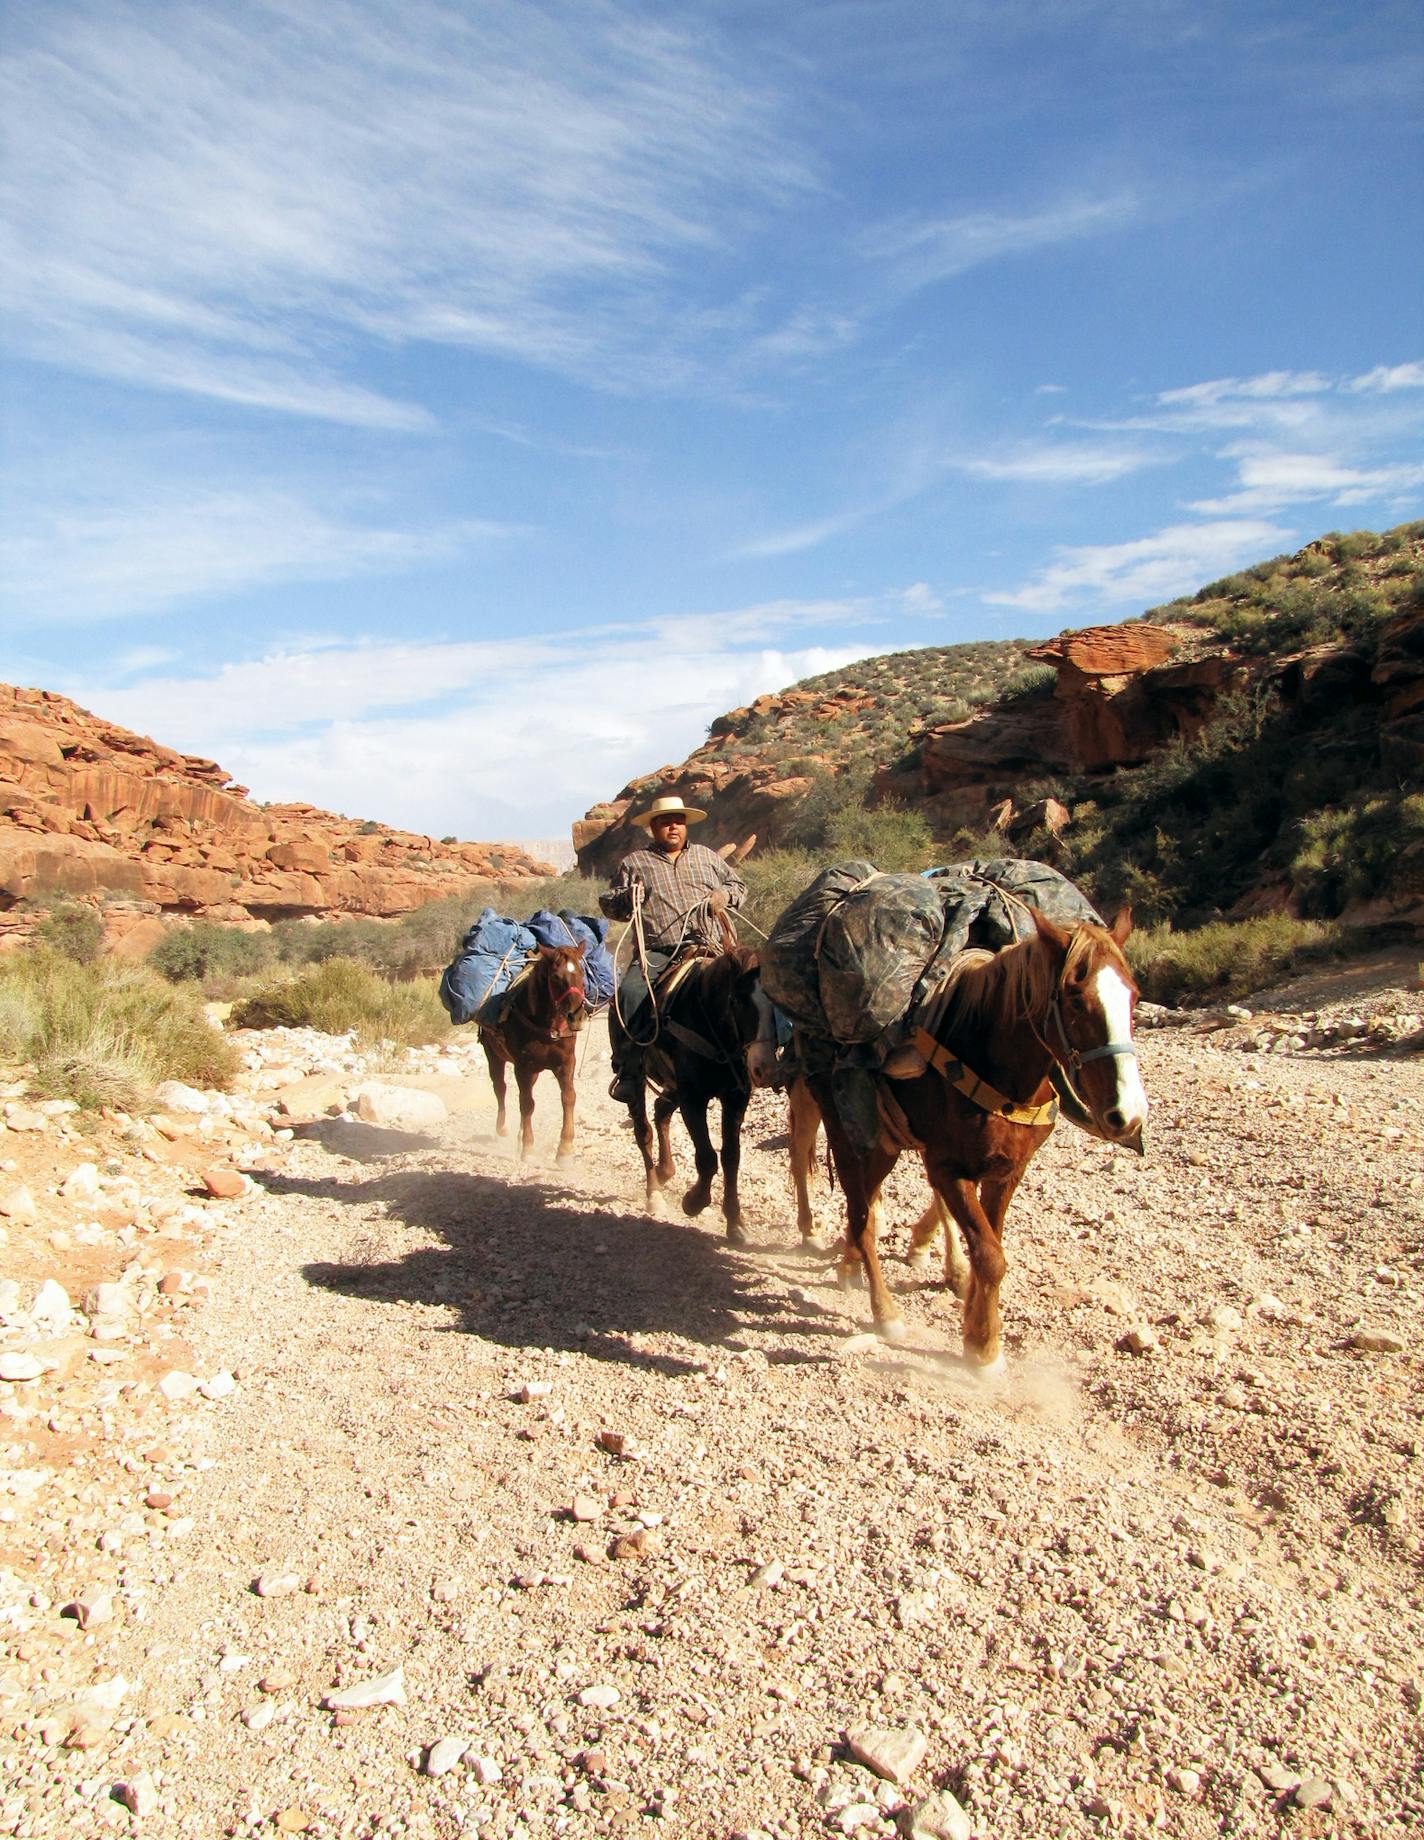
{"x": 668, "y": 808}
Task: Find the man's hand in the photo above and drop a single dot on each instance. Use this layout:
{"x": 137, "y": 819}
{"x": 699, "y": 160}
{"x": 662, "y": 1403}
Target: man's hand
{"x": 717, "y": 901}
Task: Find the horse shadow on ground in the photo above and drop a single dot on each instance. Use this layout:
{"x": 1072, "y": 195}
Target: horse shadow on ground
{"x": 533, "y": 1266}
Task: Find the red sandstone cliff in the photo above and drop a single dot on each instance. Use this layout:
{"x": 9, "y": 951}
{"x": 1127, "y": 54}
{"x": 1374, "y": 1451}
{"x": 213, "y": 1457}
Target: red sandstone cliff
{"x": 90, "y": 809}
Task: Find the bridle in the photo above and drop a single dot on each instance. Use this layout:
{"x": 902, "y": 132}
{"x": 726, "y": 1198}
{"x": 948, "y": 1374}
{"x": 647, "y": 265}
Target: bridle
{"x": 1072, "y": 1059}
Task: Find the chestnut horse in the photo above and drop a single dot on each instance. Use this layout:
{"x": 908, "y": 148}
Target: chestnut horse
{"x": 706, "y": 1022}
{"x": 537, "y": 1032}
{"x": 980, "y": 1100}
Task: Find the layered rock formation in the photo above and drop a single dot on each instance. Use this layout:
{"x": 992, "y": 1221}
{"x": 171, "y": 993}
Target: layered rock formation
{"x": 91, "y": 810}
{"x": 1119, "y": 695}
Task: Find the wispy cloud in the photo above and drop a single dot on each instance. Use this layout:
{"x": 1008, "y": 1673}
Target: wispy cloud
{"x": 156, "y": 553}
{"x": 1063, "y": 464}
{"x": 1144, "y": 571}
{"x": 918, "y": 252}
{"x": 221, "y": 201}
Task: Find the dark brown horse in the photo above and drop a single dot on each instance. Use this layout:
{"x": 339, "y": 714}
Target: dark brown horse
{"x": 706, "y": 1021}
{"x": 980, "y": 1101}
{"x": 537, "y": 1032}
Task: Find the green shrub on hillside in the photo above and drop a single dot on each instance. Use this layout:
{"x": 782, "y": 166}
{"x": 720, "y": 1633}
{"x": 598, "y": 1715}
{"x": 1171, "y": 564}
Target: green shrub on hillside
{"x": 1226, "y": 959}
{"x": 1354, "y": 852}
{"x": 774, "y": 878}
{"x": 887, "y": 835}
{"x": 341, "y": 997}
{"x": 104, "y": 1034}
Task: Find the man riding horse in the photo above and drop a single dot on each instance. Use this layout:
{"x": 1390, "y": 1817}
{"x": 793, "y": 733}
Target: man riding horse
{"x": 677, "y": 890}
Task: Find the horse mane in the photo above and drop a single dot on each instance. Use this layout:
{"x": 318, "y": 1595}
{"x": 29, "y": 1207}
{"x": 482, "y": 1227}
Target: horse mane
{"x": 1017, "y": 983}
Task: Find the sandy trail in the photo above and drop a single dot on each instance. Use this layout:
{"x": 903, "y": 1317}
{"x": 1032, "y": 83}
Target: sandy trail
{"x": 1123, "y": 1593}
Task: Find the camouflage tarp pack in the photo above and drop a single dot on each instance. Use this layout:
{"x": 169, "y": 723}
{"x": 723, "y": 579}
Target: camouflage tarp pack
{"x": 845, "y": 956}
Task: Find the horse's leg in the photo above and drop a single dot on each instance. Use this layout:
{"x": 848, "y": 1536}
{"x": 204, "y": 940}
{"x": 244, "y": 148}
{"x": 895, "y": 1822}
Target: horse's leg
{"x": 524, "y": 1077}
{"x": 861, "y": 1176}
{"x": 935, "y": 1220}
{"x": 983, "y": 1332}
{"x": 643, "y": 1137}
{"x": 734, "y": 1106}
{"x": 566, "y": 1093}
{"x": 494, "y": 1060}
{"x": 694, "y": 1115}
{"x": 663, "y": 1108}
{"x": 804, "y": 1121}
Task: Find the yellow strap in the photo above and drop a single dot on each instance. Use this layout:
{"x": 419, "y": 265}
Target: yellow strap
{"x": 988, "y": 1098}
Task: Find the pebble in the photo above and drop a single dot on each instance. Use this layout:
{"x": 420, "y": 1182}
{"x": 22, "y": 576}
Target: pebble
{"x": 176, "y": 1385}
{"x": 1142, "y": 1338}
{"x": 276, "y": 1584}
{"x": 444, "y": 1755}
{"x": 894, "y": 1753}
{"x": 532, "y": 1390}
{"x": 768, "y": 1574}
{"x": 1377, "y": 1341}
{"x": 605, "y": 1698}
{"x": 1313, "y": 1792}
{"x": 139, "y": 1795}
{"x": 379, "y": 1690}
{"x": 938, "y": 1817}
{"x": 586, "y": 1508}
{"x": 19, "y": 1367}
{"x": 854, "y": 1815}
{"x": 258, "y": 1717}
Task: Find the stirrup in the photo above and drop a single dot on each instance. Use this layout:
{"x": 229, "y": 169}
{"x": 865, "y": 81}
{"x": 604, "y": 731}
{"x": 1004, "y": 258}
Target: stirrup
{"x": 623, "y": 1088}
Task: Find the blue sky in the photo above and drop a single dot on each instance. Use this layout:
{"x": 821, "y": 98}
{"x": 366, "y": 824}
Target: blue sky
{"x": 440, "y": 412}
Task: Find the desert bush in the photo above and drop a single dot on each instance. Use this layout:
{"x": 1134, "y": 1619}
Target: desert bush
{"x": 104, "y": 1034}
{"x": 70, "y": 928}
{"x": 1226, "y": 958}
{"x": 207, "y": 952}
{"x": 774, "y": 878}
{"x": 889, "y": 835}
{"x": 1029, "y": 680}
{"x": 1354, "y": 851}
{"x": 341, "y": 997}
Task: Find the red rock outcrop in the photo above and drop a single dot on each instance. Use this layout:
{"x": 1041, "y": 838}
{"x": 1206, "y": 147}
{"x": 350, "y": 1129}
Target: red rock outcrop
{"x": 90, "y": 809}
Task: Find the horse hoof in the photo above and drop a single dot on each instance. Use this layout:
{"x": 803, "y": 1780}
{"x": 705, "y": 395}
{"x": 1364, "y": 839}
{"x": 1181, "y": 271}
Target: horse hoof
{"x": 564, "y": 1158}
{"x": 990, "y": 1373}
{"x": 850, "y": 1278}
{"x": 694, "y": 1201}
{"x": 918, "y": 1260}
{"x": 737, "y": 1234}
{"x": 892, "y": 1329}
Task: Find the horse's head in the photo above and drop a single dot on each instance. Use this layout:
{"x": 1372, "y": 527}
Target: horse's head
{"x": 1088, "y": 1028}
{"x": 561, "y": 969}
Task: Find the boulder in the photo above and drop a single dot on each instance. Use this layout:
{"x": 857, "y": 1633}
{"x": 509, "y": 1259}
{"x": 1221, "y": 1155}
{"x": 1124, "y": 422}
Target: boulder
{"x": 399, "y": 1108}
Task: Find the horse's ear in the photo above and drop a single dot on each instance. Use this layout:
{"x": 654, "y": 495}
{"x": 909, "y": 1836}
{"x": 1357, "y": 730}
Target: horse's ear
{"x": 1049, "y": 932}
{"x": 1121, "y": 925}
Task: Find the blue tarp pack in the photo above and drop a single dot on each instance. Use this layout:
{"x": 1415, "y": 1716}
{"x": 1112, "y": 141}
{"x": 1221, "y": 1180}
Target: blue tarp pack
{"x": 472, "y": 986}
{"x": 587, "y": 930}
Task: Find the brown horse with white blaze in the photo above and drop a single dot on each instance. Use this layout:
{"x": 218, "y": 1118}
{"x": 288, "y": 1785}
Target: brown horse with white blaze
{"x": 980, "y": 1102}
{"x": 537, "y": 1033}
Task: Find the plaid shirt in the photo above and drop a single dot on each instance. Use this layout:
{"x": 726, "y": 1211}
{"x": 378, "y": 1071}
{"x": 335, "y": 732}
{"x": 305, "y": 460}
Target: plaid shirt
{"x": 672, "y": 885}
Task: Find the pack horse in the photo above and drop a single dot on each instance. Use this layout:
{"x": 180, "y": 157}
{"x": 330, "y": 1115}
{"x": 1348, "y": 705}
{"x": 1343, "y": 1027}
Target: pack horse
{"x": 981, "y": 1099}
{"x": 537, "y": 1032}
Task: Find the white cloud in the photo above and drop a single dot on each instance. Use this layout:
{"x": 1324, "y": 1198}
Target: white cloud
{"x": 1146, "y": 571}
{"x": 1384, "y": 379}
{"x": 1270, "y": 479}
{"x": 70, "y": 565}
{"x": 1269, "y": 386}
{"x": 519, "y": 739}
{"x": 1055, "y": 464}
{"x": 223, "y": 200}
